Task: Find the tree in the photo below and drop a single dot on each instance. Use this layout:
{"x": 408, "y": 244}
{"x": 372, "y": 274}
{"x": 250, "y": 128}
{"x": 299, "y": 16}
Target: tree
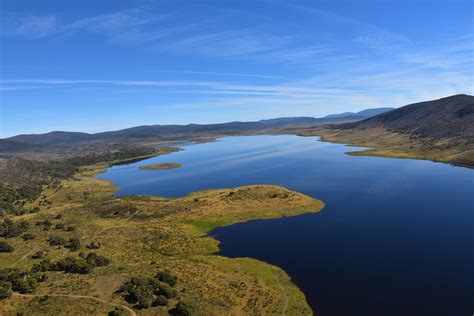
{"x": 24, "y": 284}
{"x": 160, "y": 300}
{"x": 43, "y": 266}
{"x": 145, "y": 301}
{"x": 74, "y": 265}
{"x": 167, "y": 291}
{"x": 118, "y": 311}
{"x": 181, "y": 309}
{"x": 96, "y": 260}
{"x": 146, "y": 292}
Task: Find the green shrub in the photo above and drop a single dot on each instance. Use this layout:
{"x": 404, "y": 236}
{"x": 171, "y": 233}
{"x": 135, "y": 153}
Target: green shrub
{"x": 59, "y": 226}
{"x": 28, "y": 236}
{"x": 22, "y": 282}
{"x": 56, "y": 241}
{"x": 160, "y": 300}
{"x": 181, "y": 309}
{"x": 10, "y": 229}
{"x": 5, "y": 247}
{"x": 166, "y": 291}
{"x": 74, "y": 265}
{"x": 167, "y": 278}
{"x": 146, "y": 292}
{"x": 97, "y": 261}
{"x": 74, "y": 244}
{"x": 38, "y": 255}
{"x": 118, "y": 311}
{"x": 5, "y": 290}
{"x": 43, "y": 266}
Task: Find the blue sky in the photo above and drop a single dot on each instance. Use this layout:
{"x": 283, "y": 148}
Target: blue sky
{"x": 104, "y": 65}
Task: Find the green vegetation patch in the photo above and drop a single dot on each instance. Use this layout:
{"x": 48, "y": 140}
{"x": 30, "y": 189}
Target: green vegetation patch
{"x": 138, "y": 237}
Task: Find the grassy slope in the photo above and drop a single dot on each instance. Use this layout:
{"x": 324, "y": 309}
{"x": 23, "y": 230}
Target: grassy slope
{"x": 385, "y": 143}
{"x": 159, "y": 234}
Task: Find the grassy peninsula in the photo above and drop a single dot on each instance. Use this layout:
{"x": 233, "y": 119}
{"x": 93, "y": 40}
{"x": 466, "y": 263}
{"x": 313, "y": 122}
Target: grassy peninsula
{"x": 157, "y": 240}
{"x": 161, "y": 166}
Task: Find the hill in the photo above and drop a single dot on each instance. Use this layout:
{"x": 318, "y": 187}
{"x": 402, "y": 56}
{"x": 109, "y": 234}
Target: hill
{"x": 15, "y": 147}
{"x": 52, "y": 138}
{"x": 440, "y": 130}
{"x": 444, "y": 118}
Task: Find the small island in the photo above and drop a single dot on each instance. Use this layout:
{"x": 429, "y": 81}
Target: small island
{"x": 161, "y": 166}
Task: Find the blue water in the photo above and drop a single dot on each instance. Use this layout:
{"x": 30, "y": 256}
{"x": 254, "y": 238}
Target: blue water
{"x": 395, "y": 238}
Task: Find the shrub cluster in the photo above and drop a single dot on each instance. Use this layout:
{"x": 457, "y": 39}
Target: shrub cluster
{"x": 148, "y": 292}
{"x": 81, "y": 265}
{"x": 10, "y": 229}
{"x": 45, "y": 223}
{"x": 64, "y": 227}
{"x": 73, "y": 244}
{"x": 24, "y": 179}
{"x": 13, "y": 280}
{"x": 181, "y": 309}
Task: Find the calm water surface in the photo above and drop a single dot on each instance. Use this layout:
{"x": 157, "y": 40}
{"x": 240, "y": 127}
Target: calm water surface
{"x": 395, "y": 238}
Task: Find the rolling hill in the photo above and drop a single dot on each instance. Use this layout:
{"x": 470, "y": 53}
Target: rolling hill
{"x": 15, "y": 147}
{"x": 440, "y": 130}
{"x": 444, "y": 118}
{"x": 51, "y": 138}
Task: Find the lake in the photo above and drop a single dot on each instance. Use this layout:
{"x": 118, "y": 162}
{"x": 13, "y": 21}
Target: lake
{"x": 396, "y": 236}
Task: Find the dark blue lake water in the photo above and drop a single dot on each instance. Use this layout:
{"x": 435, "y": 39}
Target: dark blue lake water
{"x": 396, "y": 236}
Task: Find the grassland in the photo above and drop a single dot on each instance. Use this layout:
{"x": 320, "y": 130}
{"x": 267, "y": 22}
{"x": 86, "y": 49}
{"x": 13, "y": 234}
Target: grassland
{"x": 385, "y": 143}
{"x": 161, "y": 166}
{"x": 143, "y": 235}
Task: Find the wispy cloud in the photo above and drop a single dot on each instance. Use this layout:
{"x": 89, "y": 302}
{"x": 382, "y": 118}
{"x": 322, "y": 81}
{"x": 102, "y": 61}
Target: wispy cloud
{"x": 192, "y": 36}
{"x": 381, "y": 40}
{"x": 29, "y": 26}
{"x": 363, "y": 66}
{"x": 215, "y": 73}
{"x": 228, "y": 44}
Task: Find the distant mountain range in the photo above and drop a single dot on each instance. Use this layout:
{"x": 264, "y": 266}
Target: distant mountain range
{"x": 329, "y": 119}
{"x": 165, "y": 132}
